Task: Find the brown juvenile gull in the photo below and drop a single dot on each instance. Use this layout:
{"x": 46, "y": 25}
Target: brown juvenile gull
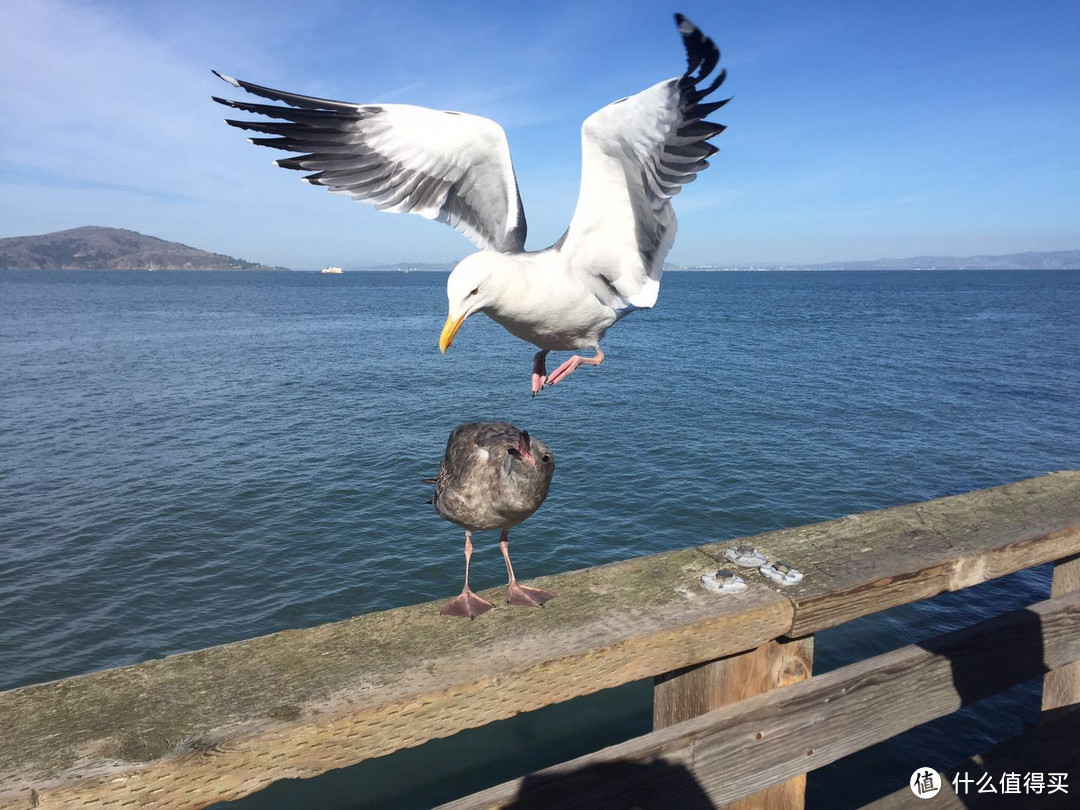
{"x": 636, "y": 154}
{"x": 493, "y": 476}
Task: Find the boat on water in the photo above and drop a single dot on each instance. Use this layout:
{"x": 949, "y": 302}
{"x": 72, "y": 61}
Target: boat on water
{"x": 334, "y": 270}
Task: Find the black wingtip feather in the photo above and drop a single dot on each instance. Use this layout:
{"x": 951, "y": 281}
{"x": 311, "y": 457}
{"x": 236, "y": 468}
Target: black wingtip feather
{"x": 702, "y": 55}
{"x": 225, "y": 78}
{"x": 292, "y": 99}
{"x": 697, "y": 95}
{"x": 700, "y": 129}
{"x": 685, "y": 155}
{"x": 701, "y": 110}
{"x": 299, "y": 163}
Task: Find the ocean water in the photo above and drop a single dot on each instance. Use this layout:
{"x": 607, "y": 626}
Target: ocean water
{"x": 188, "y": 459}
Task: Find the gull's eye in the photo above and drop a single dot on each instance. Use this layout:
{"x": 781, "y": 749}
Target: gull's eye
{"x": 474, "y": 292}
{"x": 546, "y": 459}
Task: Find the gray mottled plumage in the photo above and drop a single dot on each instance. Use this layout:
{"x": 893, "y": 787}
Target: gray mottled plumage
{"x": 493, "y": 476}
{"x": 483, "y": 482}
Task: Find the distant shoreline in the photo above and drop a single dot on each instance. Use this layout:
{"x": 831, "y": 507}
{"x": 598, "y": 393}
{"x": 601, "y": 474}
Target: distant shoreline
{"x": 78, "y": 249}
{"x": 815, "y": 269}
{"x": 146, "y": 270}
{"x": 365, "y": 270}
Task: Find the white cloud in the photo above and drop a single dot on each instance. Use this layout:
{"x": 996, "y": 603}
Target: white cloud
{"x": 91, "y": 99}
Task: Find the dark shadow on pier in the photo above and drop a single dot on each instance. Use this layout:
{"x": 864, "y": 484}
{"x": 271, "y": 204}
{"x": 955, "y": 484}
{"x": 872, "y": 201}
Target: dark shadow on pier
{"x": 1017, "y": 651}
{"x": 619, "y": 785}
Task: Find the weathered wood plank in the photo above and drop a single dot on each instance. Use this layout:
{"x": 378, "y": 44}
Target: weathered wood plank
{"x": 191, "y": 729}
{"x": 739, "y": 750}
{"x": 865, "y": 563}
{"x": 693, "y": 691}
{"x": 1052, "y": 748}
{"x": 1061, "y": 688}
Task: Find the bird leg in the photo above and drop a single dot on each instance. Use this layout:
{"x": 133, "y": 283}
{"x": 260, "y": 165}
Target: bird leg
{"x": 517, "y": 594}
{"x": 567, "y": 368}
{"x": 539, "y": 375}
{"x": 468, "y": 604}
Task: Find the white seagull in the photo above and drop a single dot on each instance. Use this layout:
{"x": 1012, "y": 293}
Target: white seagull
{"x": 453, "y": 167}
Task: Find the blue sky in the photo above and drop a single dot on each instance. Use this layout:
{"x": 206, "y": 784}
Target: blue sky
{"x": 858, "y": 130}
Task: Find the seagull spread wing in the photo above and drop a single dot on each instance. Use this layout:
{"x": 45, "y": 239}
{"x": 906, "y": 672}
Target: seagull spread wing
{"x": 637, "y": 153}
{"x": 447, "y": 166}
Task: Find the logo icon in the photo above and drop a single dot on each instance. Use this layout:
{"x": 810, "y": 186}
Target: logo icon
{"x": 925, "y": 783}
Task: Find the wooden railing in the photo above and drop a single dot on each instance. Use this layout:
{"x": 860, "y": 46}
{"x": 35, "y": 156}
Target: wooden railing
{"x": 739, "y": 720}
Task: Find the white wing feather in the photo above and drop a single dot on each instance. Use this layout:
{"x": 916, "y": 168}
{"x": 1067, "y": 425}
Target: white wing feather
{"x": 637, "y": 153}
{"x": 447, "y": 166}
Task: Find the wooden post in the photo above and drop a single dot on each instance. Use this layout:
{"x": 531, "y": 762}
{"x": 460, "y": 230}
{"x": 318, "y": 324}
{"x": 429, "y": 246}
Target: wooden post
{"x": 692, "y": 691}
{"x": 1061, "y": 687}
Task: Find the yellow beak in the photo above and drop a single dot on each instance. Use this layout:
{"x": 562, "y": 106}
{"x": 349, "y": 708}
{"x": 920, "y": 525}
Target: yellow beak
{"x": 450, "y": 328}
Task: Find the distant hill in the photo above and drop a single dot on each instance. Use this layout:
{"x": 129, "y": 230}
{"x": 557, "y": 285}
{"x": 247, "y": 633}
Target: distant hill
{"x": 1032, "y": 260}
{"x": 94, "y": 248}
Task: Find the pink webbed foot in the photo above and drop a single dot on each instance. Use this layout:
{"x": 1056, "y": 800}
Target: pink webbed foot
{"x": 518, "y": 594}
{"x": 568, "y": 368}
{"x": 468, "y": 604}
{"x": 565, "y": 370}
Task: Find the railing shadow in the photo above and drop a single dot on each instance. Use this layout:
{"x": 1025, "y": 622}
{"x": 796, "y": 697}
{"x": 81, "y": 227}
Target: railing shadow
{"x": 1053, "y": 748}
{"x": 1015, "y": 644}
{"x": 619, "y": 785}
